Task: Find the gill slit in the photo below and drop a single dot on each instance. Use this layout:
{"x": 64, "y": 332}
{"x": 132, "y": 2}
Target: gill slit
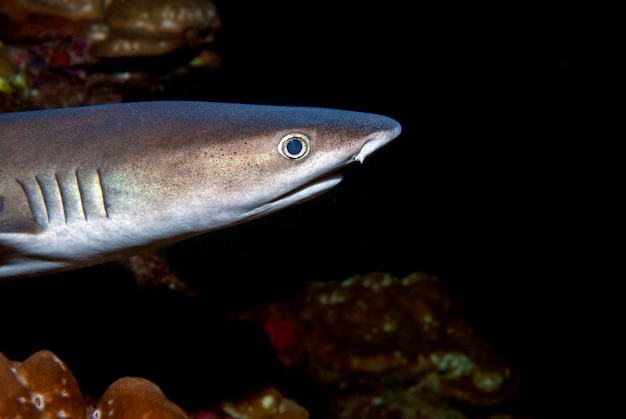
{"x": 104, "y": 200}
{"x": 31, "y": 201}
{"x": 80, "y": 195}
{"x": 63, "y": 198}
{"x": 43, "y": 195}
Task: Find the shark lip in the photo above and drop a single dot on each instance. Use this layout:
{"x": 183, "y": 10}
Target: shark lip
{"x": 309, "y": 190}
{"x": 325, "y": 182}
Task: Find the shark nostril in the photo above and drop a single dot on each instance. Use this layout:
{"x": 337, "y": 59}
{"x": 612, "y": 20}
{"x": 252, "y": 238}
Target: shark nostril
{"x": 370, "y": 146}
{"x": 378, "y": 139}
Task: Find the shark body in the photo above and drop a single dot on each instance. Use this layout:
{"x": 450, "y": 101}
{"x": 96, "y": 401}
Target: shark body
{"x": 81, "y": 186}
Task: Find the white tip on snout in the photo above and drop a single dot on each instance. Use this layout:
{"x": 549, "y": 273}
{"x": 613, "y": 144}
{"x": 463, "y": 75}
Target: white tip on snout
{"x": 376, "y": 141}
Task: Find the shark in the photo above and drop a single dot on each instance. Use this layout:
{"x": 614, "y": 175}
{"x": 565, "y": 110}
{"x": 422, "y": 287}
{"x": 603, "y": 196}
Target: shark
{"x": 91, "y": 184}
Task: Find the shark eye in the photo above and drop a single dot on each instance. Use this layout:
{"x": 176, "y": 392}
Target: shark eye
{"x": 294, "y": 146}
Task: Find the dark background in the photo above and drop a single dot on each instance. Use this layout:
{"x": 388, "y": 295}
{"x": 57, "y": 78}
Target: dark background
{"x": 505, "y": 183}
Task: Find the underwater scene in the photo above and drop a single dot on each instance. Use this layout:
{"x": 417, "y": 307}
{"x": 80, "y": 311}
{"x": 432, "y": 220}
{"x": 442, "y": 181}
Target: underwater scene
{"x": 411, "y": 258}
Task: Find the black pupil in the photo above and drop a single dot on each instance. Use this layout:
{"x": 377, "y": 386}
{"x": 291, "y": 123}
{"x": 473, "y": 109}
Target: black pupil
{"x": 294, "y": 146}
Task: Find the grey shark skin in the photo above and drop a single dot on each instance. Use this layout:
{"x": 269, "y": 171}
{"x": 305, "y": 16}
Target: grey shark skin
{"x": 81, "y": 186}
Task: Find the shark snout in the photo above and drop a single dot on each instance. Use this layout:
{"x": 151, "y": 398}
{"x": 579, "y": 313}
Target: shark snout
{"x": 391, "y": 130}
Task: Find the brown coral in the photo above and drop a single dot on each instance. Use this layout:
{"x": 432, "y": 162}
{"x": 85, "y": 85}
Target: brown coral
{"x": 114, "y": 28}
{"x": 43, "y": 387}
{"x": 50, "y": 50}
{"x": 40, "y": 387}
{"x": 69, "y": 9}
{"x": 153, "y": 273}
{"x": 267, "y": 403}
{"x": 152, "y": 27}
{"x": 407, "y": 330}
{"x": 375, "y": 345}
{"x": 133, "y": 397}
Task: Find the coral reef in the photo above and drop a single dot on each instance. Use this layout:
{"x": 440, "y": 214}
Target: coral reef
{"x": 114, "y": 28}
{"x": 149, "y": 27}
{"x": 43, "y": 387}
{"x": 60, "y": 53}
{"x": 377, "y": 343}
{"x": 370, "y": 346}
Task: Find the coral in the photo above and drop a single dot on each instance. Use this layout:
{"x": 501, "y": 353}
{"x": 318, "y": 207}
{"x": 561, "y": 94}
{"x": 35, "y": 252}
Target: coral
{"x": 153, "y": 273}
{"x": 370, "y": 346}
{"x": 115, "y": 28}
{"x": 10, "y": 79}
{"x": 410, "y": 328}
{"x": 40, "y": 387}
{"x": 280, "y": 326}
{"x": 378, "y": 343}
{"x": 133, "y": 397}
{"x": 267, "y": 403}
{"x": 60, "y": 53}
{"x": 43, "y": 387}
{"x": 69, "y": 9}
{"x": 152, "y": 27}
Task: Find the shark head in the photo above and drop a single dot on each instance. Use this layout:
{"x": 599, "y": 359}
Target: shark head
{"x": 295, "y": 154}
{"x": 86, "y": 185}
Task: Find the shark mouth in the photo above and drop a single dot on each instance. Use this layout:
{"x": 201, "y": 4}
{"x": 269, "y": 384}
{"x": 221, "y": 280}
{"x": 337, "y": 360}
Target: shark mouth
{"x": 307, "y": 191}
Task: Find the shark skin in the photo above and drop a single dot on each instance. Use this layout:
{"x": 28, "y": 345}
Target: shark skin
{"x": 86, "y": 185}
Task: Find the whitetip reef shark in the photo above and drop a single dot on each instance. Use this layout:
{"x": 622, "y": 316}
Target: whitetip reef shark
{"x": 86, "y": 185}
